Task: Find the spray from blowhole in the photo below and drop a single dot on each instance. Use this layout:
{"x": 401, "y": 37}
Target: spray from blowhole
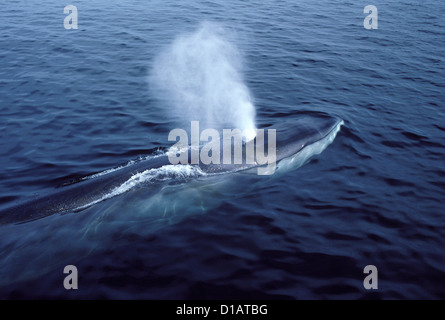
{"x": 199, "y": 78}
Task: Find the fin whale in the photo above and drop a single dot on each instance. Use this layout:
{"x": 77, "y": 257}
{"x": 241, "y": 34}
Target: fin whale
{"x": 292, "y": 138}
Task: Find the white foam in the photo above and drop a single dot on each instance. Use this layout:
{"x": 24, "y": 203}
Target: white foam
{"x": 129, "y": 163}
{"x": 164, "y": 173}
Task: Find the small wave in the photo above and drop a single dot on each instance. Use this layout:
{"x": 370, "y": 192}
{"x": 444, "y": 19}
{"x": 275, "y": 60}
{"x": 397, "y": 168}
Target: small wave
{"x": 129, "y": 163}
{"x": 164, "y": 173}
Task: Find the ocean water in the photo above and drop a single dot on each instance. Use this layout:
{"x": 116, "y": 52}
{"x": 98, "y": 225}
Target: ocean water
{"x": 78, "y": 102}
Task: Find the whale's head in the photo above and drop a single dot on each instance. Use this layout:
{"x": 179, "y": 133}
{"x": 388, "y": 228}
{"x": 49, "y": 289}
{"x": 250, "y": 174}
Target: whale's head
{"x": 293, "y": 135}
{"x": 297, "y": 139}
{"x": 291, "y": 140}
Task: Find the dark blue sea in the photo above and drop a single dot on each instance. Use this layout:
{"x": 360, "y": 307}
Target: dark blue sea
{"x": 78, "y": 102}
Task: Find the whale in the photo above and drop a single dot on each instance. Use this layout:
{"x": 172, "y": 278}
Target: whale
{"x": 297, "y": 140}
